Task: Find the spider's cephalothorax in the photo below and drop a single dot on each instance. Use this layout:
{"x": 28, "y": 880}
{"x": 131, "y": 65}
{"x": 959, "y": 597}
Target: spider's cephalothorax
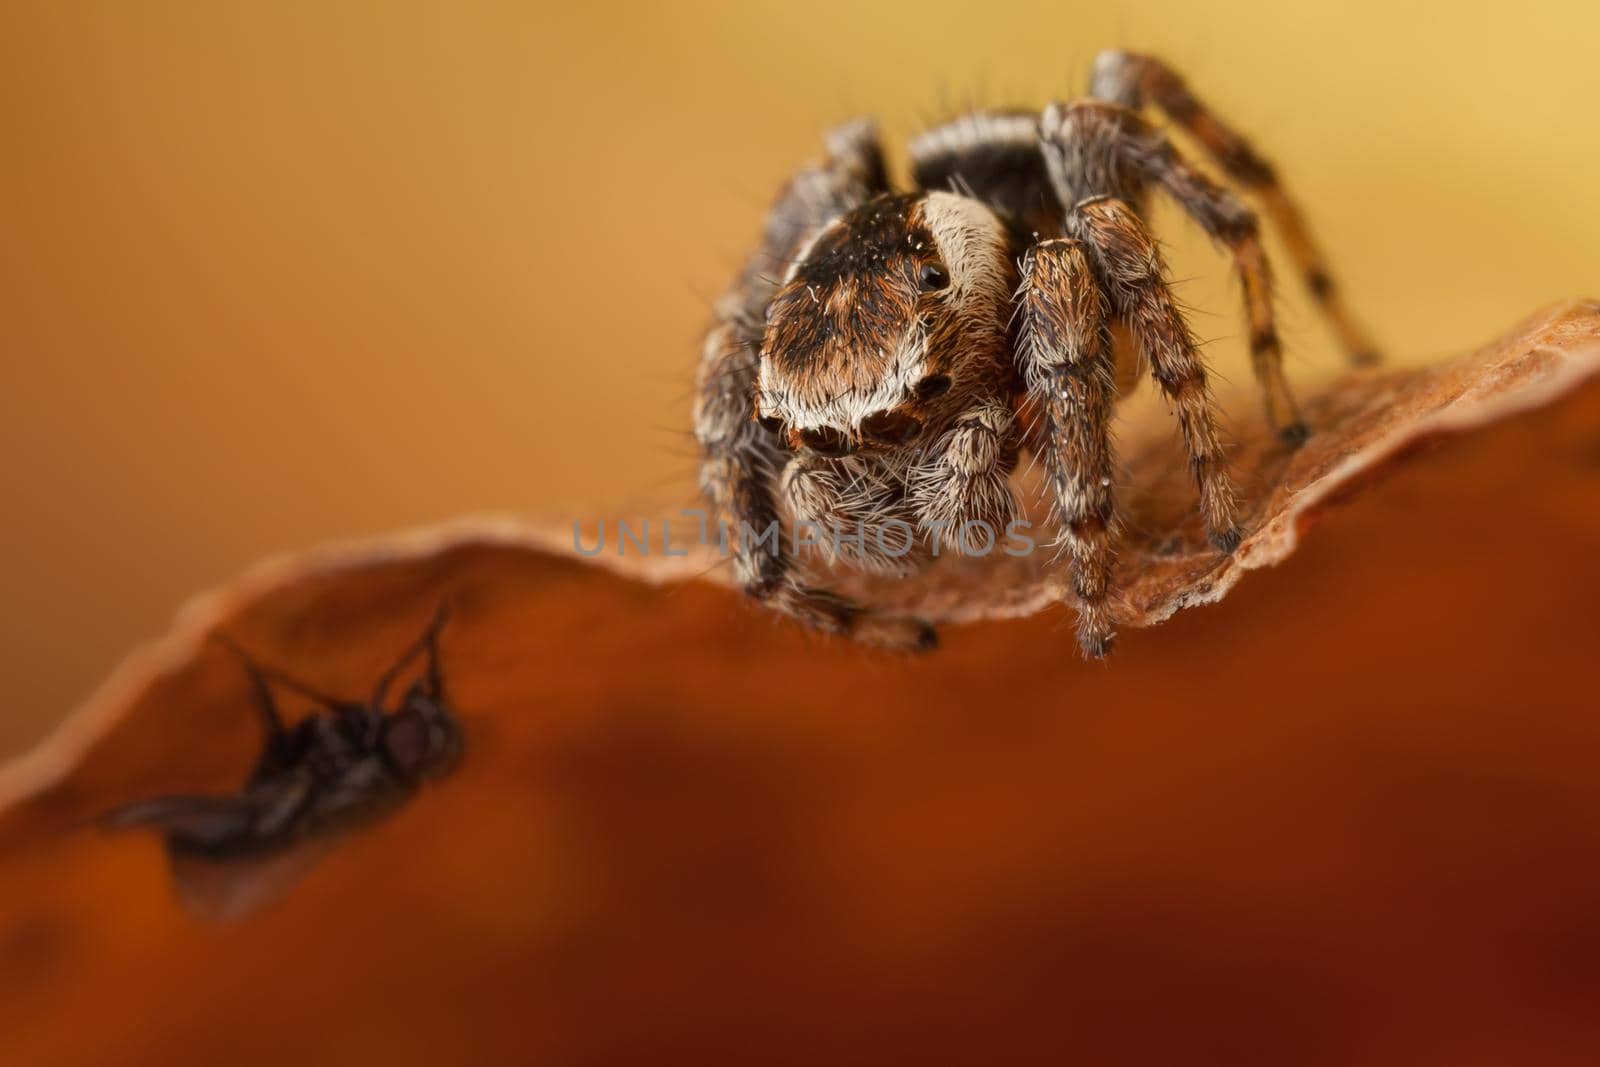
{"x": 877, "y": 345}
{"x": 887, "y": 308}
{"x": 865, "y": 371}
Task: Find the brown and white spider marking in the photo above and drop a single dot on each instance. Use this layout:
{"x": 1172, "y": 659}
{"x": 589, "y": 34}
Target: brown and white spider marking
{"x": 866, "y": 370}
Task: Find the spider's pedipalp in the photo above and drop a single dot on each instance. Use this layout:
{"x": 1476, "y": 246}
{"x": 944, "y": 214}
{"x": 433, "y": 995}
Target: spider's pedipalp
{"x": 1130, "y": 265}
{"x": 852, "y": 514}
{"x": 1132, "y": 80}
{"x": 961, "y": 491}
{"x": 1064, "y": 356}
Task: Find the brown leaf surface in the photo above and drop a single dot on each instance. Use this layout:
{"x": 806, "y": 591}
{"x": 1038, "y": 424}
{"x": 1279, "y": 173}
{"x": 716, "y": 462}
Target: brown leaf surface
{"x": 1350, "y": 816}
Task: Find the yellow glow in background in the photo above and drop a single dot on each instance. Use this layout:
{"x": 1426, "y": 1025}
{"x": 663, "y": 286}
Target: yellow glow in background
{"x": 277, "y": 274}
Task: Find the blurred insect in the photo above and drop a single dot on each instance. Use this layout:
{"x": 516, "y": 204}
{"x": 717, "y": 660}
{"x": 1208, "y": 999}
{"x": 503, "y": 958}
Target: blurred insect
{"x": 885, "y": 356}
{"x": 344, "y": 766}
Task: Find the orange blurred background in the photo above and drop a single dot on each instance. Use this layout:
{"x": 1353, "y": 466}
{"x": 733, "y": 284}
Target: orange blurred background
{"x": 287, "y": 274}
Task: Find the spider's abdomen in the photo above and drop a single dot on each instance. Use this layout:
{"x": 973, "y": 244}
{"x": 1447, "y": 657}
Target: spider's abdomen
{"x": 995, "y": 157}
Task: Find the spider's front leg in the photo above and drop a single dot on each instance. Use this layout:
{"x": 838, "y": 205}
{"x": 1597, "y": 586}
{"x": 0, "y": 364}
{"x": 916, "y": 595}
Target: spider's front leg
{"x": 961, "y": 488}
{"x": 1100, "y": 156}
{"x": 739, "y": 470}
{"x": 741, "y": 461}
{"x": 1065, "y": 357}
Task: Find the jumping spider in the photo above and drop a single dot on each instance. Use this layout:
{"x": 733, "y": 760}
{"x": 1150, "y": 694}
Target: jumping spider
{"x": 878, "y": 380}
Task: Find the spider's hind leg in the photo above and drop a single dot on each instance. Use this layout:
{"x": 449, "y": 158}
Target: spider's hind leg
{"x": 1134, "y": 80}
{"x": 1096, "y": 149}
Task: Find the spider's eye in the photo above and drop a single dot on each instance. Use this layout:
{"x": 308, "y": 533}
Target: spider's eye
{"x": 770, "y": 423}
{"x": 932, "y": 277}
{"x": 933, "y": 385}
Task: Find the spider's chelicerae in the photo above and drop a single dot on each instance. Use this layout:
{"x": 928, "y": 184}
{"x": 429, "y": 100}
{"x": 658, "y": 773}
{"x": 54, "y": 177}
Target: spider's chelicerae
{"x": 869, "y": 367}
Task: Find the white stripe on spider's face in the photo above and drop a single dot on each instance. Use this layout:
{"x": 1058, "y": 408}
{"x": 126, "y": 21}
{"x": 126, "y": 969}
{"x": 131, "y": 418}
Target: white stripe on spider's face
{"x": 972, "y": 244}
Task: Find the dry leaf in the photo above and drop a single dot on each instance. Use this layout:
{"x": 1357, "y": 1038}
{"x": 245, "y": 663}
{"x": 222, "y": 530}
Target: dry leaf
{"x": 1348, "y": 816}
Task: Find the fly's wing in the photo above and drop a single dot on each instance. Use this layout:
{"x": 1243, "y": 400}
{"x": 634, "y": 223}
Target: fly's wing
{"x": 230, "y": 855}
{"x": 219, "y": 889}
{"x": 298, "y": 822}
{"x": 258, "y": 819}
{"x": 214, "y": 824}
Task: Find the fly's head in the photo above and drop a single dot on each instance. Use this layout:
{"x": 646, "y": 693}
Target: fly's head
{"x": 421, "y": 739}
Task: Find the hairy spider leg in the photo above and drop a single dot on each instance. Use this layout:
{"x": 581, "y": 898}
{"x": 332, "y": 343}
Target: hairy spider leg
{"x": 1133, "y": 80}
{"x": 740, "y": 460}
{"x": 1099, "y": 149}
{"x": 1065, "y": 357}
{"x": 1130, "y": 266}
